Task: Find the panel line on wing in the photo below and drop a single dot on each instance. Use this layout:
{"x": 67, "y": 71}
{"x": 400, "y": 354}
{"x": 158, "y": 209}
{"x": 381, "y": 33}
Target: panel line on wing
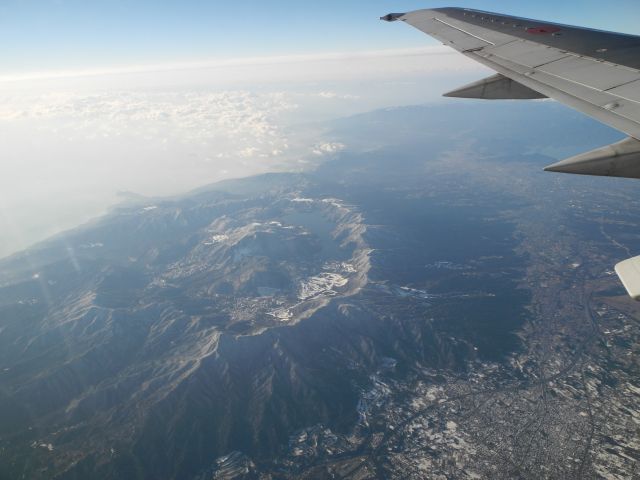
{"x": 622, "y": 85}
{"x": 539, "y": 75}
{"x": 608, "y": 90}
{"x": 550, "y": 62}
{"x": 595, "y": 74}
{"x": 589, "y": 106}
{"x": 591, "y": 87}
{"x": 463, "y": 31}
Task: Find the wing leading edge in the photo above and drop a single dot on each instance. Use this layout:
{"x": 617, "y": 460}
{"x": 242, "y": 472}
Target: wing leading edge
{"x": 592, "y": 71}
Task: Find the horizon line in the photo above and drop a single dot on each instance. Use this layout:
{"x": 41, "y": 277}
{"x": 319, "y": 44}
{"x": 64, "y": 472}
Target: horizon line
{"x": 212, "y": 63}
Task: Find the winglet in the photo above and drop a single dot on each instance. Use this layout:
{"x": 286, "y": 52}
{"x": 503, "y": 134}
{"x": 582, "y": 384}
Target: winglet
{"x": 392, "y": 17}
{"x": 620, "y": 159}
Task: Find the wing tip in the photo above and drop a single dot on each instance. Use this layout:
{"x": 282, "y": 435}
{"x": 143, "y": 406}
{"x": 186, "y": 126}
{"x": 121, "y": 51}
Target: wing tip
{"x": 391, "y": 17}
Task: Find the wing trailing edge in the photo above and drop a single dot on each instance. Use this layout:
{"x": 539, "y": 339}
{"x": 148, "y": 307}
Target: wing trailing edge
{"x": 620, "y": 159}
{"x": 496, "y": 87}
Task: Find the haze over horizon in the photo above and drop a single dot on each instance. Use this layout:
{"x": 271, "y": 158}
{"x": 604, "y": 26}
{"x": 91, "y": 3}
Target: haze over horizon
{"x": 72, "y": 142}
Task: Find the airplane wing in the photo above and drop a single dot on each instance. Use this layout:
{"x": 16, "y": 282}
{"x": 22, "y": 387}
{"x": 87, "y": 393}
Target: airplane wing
{"x": 593, "y": 71}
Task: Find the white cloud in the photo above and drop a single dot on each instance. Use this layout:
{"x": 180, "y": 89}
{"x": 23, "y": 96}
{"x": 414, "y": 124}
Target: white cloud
{"x": 334, "y": 95}
{"x": 328, "y": 148}
{"x": 226, "y": 123}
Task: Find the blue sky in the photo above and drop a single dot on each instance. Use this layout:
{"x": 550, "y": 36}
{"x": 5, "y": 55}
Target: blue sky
{"x": 38, "y": 35}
